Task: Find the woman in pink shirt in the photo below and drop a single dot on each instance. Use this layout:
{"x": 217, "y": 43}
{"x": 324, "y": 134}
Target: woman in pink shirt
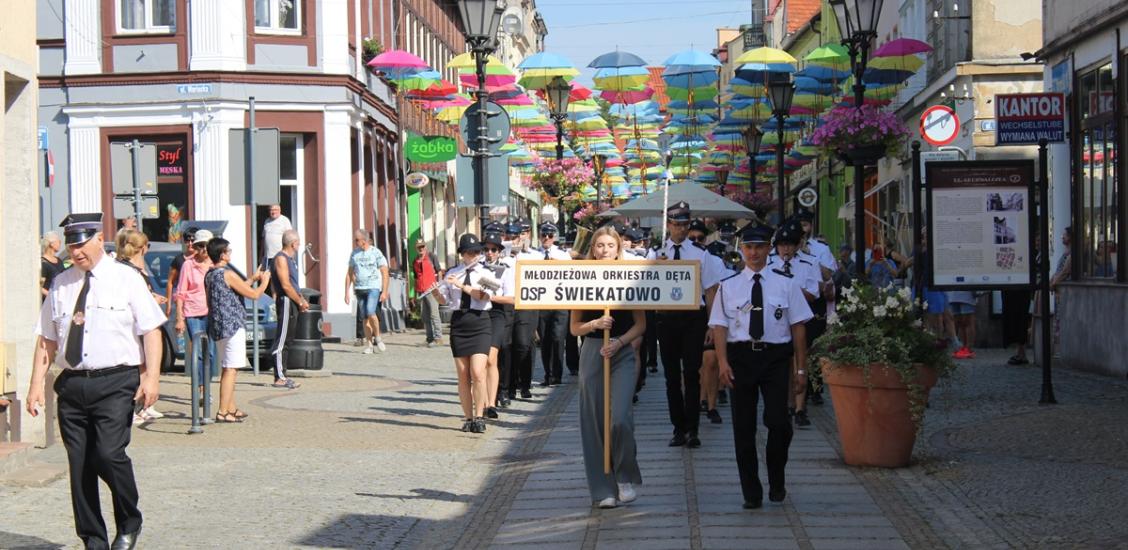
{"x": 192, "y": 302}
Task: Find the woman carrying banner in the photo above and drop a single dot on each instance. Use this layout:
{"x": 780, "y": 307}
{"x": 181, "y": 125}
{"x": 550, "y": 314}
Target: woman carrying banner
{"x": 626, "y": 326}
{"x": 470, "y": 329}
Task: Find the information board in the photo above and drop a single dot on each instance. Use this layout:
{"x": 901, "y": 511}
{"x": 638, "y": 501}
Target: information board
{"x": 608, "y": 284}
{"x": 979, "y": 224}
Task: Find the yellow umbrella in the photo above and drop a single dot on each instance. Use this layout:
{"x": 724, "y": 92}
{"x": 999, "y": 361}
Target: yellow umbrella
{"x": 466, "y": 61}
{"x": 538, "y": 79}
{"x": 900, "y": 62}
{"x": 765, "y": 55}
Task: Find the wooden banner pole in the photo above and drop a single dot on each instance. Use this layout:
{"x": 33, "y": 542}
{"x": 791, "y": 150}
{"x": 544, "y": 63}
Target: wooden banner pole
{"x": 606, "y": 401}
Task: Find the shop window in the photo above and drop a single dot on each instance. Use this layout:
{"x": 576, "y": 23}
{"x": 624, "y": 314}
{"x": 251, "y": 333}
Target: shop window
{"x": 146, "y": 16}
{"x": 278, "y": 16}
{"x": 1096, "y": 234}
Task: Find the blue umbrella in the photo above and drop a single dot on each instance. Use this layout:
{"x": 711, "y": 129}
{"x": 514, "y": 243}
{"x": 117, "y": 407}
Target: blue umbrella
{"x": 617, "y": 59}
{"x": 695, "y": 79}
{"x": 822, "y": 73}
{"x": 690, "y": 61}
{"x": 545, "y": 60}
{"x": 885, "y": 76}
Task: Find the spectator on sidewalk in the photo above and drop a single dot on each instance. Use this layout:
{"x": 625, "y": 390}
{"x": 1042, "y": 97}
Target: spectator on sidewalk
{"x": 961, "y": 304}
{"x": 226, "y": 320}
{"x": 428, "y": 273}
{"x": 880, "y": 270}
{"x": 192, "y": 304}
{"x": 288, "y": 302}
{"x": 132, "y": 245}
{"x": 368, "y": 277}
{"x": 272, "y": 229}
{"x": 626, "y": 326}
{"x": 49, "y": 263}
{"x": 175, "y": 267}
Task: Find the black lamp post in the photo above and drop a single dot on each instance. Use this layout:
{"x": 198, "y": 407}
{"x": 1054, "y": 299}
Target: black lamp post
{"x": 480, "y": 20}
{"x": 598, "y": 165}
{"x": 857, "y": 20}
{"x": 780, "y": 92}
{"x": 722, "y": 179}
{"x": 752, "y": 139}
{"x": 558, "y": 92}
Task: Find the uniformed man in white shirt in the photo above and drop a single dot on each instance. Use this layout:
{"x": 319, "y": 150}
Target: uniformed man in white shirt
{"x": 759, "y": 314}
{"x": 682, "y": 334}
{"x": 553, "y": 325}
{"x": 803, "y": 268}
{"x": 101, "y": 314}
{"x": 524, "y": 322}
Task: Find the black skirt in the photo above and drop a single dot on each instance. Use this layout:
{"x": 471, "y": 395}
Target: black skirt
{"x": 470, "y": 332}
{"x": 499, "y": 321}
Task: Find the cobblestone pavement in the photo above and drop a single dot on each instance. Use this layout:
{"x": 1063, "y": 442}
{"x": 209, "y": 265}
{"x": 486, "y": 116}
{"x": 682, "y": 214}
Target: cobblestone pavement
{"x": 371, "y": 457}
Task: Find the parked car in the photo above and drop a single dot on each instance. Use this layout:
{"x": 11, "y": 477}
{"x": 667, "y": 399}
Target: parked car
{"x": 159, "y": 259}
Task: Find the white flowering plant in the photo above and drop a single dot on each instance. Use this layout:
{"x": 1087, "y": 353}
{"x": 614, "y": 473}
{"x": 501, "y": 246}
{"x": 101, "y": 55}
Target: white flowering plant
{"x": 882, "y": 326}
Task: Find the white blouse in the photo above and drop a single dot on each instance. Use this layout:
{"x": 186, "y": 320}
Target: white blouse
{"x": 453, "y": 293}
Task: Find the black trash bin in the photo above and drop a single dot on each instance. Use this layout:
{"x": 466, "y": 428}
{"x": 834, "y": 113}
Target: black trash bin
{"x": 304, "y": 351}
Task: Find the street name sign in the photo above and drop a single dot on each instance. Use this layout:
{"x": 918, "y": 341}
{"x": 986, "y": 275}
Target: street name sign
{"x": 939, "y": 125}
{"x": 608, "y": 284}
{"x": 1025, "y": 119}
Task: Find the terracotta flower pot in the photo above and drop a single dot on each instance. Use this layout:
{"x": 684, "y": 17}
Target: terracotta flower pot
{"x": 874, "y": 422}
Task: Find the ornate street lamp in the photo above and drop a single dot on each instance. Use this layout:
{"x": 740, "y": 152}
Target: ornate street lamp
{"x": 598, "y": 165}
{"x": 480, "y": 20}
{"x": 857, "y": 20}
{"x": 558, "y": 92}
{"x": 722, "y": 179}
{"x": 752, "y": 139}
{"x": 781, "y": 91}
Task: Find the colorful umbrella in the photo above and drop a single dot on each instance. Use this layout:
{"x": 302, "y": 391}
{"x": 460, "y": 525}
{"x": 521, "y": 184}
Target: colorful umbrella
{"x": 900, "y": 62}
{"x": 466, "y": 61}
{"x": 397, "y": 61}
{"x": 764, "y": 55}
{"x": 833, "y": 56}
{"x": 902, "y": 46}
{"x": 545, "y": 60}
{"x": 617, "y": 59}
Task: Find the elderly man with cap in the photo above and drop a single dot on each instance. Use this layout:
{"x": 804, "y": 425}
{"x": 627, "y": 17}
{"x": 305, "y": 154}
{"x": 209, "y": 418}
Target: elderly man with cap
{"x": 758, "y": 324}
{"x": 789, "y": 261}
{"x": 101, "y": 314}
{"x": 553, "y": 324}
{"x": 682, "y": 335}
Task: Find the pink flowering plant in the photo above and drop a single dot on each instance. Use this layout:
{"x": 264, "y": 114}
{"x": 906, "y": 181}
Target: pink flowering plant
{"x": 560, "y": 178}
{"x": 588, "y": 215}
{"x": 846, "y": 128}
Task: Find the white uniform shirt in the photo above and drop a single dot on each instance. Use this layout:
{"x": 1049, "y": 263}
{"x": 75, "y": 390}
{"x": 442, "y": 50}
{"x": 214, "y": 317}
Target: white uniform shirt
{"x": 119, "y": 310}
{"x": 824, "y": 255}
{"x": 529, "y": 254}
{"x": 803, "y": 270}
{"x": 784, "y": 305}
{"x": 508, "y": 276}
{"x": 453, "y": 293}
{"x": 554, "y": 253}
{"x": 634, "y": 254}
{"x": 711, "y": 272}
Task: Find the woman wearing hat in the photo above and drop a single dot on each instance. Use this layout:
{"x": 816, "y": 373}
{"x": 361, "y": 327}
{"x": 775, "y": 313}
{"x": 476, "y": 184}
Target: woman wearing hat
{"x": 470, "y": 329}
{"x": 608, "y": 490}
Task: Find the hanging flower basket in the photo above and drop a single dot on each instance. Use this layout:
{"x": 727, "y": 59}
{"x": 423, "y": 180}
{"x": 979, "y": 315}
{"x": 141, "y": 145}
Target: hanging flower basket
{"x": 864, "y": 155}
{"x": 559, "y": 178}
{"x": 860, "y": 136}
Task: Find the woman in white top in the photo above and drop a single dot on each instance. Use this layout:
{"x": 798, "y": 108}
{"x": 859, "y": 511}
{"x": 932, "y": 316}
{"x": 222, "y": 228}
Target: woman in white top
{"x": 470, "y": 329}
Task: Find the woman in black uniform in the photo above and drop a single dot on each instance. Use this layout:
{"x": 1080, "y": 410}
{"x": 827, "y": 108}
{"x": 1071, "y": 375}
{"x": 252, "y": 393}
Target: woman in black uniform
{"x": 470, "y": 329}
{"x": 501, "y": 318}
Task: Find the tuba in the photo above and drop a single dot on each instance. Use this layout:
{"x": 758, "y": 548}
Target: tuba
{"x": 582, "y": 244}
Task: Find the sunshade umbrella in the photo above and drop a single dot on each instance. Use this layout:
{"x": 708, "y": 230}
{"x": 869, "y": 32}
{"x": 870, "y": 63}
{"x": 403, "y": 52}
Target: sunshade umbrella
{"x": 902, "y": 46}
{"x": 689, "y": 61}
{"x": 545, "y": 60}
{"x": 466, "y": 61}
{"x": 824, "y": 74}
{"x": 617, "y": 59}
{"x": 537, "y": 79}
{"x": 897, "y": 62}
{"x": 397, "y": 62}
{"x": 702, "y": 202}
{"x": 619, "y": 79}
{"x": 420, "y": 80}
{"x": 834, "y": 56}
{"x": 765, "y": 55}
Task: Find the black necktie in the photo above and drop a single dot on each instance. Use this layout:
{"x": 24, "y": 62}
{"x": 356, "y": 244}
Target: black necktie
{"x": 465, "y": 302}
{"x": 677, "y": 251}
{"x": 546, "y": 253}
{"x": 756, "y": 316}
{"x": 74, "y": 337}
{"x": 787, "y": 267}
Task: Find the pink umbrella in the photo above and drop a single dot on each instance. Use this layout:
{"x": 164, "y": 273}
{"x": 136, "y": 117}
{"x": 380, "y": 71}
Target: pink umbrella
{"x": 397, "y": 61}
{"x": 626, "y": 98}
{"x": 521, "y": 99}
{"x": 456, "y": 101}
{"x": 493, "y": 81}
{"x": 902, "y": 46}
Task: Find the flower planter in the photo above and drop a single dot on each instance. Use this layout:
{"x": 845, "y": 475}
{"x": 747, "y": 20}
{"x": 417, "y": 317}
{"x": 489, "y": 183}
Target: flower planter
{"x": 864, "y": 155}
{"x": 875, "y": 425}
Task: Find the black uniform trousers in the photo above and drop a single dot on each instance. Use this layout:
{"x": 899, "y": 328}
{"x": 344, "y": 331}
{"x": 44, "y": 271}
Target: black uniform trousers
{"x": 649, "y": 347}
{"x": 552, "y": 328}
{"x": 571, "y": 351}
{"x": 682, "y": 337}
{"x": 764, "y": 373}
{"x": 521, "y": 350}
{"x": 504, "y": 363}
{"x": 95, "y": 421}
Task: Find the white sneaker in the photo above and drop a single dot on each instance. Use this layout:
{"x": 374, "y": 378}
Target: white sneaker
{"x": 380, "y": 345}
{"x": 627, "y": 493}
{"x": 608, "y": 502}
{"x": 152, "y": 412}
{"x": 368, "y": 349}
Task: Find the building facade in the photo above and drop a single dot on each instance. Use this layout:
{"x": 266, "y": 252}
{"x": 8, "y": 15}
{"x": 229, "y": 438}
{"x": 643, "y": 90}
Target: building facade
{"x": 1086, "y": 57}
{"x": 19, "y": 178}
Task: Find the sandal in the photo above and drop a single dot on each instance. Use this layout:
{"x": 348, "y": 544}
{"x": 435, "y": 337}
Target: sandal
{"x": 239, "y": 414}
{"x": 288, "y": 383}
{"x": 227, "y": 418}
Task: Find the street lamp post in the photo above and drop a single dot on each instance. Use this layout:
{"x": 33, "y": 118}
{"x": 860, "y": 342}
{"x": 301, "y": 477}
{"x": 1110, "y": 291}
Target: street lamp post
{"x": 722, "y": 179}
{"x": 480, "y": 20}
{"x": 752, "y": 139}
{"x": 781, "y": 91}
{"x": 598, "y": 165}
{"x": 558, "y": 92}
{"x": 857, "y": 21}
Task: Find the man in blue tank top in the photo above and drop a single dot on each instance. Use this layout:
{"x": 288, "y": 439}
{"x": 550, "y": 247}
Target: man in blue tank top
{"x": 284, "y": 286}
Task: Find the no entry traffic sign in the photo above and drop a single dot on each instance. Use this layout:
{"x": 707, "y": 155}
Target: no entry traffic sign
{"x": 939, "y": 125}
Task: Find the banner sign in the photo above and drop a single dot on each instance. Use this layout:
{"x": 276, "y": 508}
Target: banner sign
{"x": 1024, "y": 119}
{"x": 979, "y": 224}
{"x": 614, "y": 284}
{"x": 430, "y": 149}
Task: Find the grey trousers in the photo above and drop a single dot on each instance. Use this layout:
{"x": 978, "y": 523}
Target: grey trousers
{"x": 431, "y": 319}
{"x": 624, "y": 462}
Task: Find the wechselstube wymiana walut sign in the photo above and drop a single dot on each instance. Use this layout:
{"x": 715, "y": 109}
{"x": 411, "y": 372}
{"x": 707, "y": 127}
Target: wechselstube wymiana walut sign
{"x": 430, "y": 149}
{"x": 603, "y": 284}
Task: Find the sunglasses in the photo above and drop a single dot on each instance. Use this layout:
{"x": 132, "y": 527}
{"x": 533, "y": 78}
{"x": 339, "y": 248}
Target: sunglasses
{"x": 695, "y": 238}
{"x": 493, "y": 250}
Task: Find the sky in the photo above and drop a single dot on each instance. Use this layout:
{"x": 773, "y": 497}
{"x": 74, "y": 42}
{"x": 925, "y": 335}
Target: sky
{"x": 581, "y": 30}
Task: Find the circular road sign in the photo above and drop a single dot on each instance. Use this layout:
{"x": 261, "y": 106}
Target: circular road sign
{"x": 808, "y": 197}
{"x": 939, "y": 125}
{"x": 416, "y": 180}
